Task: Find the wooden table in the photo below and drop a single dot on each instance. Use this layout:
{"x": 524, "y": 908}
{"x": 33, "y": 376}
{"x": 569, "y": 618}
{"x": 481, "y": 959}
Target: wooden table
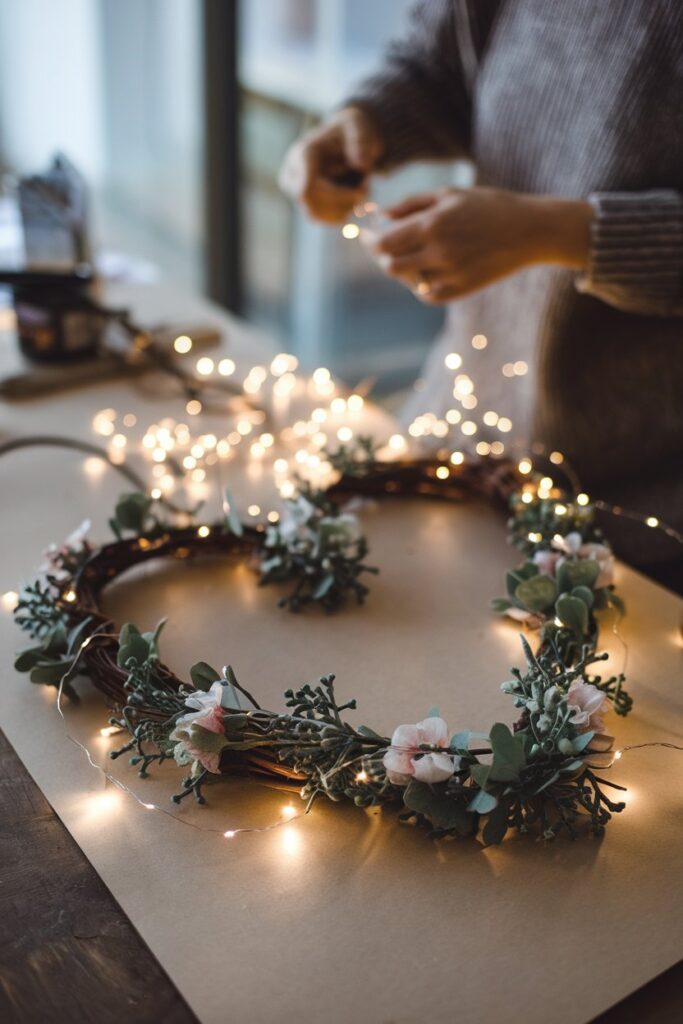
{"x": 70, "y": 953}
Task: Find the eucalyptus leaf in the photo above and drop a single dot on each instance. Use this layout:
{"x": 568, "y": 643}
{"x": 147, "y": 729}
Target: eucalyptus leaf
{"x": 131, "y": 645}
{"x": 443, "y": 811}
{"x": 582, "y": 572}
{"x": 460, "y": 740}
{"x": 500, "y": 605}
{"x": 538, "y": 593}
{"x": 584, "y": 594}
{"x": 572, "y": 613}
{"x": 508, "y": 755}
{"x": 482, "y": 803}
{"x": 580, "y": 743}
{"x": 203, "y": 676}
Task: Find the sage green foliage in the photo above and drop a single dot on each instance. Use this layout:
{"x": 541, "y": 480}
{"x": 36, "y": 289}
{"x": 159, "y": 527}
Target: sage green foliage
{"x": 355, "y": 458}
{"x": 323, "y": 556}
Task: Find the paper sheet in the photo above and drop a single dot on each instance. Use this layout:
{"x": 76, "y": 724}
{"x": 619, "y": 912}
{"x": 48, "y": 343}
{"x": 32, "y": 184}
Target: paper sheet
{"x": 345, "y": 915}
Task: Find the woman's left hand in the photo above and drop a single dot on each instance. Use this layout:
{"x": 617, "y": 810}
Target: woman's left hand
{"x": 448, "y": 243}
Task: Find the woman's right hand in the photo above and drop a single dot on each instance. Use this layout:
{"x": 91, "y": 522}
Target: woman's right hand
{"x": 326, "y": 170}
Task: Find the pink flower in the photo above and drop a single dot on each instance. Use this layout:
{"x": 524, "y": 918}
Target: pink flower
{"x": 546, "y": 561}
{"x": 208, "y": 714}
{"x": 404, "y": 760}
{"x": 586, "y": 704}
{"x": 601, "y": 554}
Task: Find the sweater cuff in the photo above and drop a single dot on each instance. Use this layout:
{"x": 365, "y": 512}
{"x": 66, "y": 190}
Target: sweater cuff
{"x": 636, "y": 251}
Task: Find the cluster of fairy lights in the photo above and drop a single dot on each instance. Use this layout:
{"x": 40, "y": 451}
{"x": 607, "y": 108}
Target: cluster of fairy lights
{"x": 181, "y": 455}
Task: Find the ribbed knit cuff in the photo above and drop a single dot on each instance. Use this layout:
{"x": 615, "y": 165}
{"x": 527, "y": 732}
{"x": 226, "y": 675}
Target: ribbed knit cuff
{"x": 636, "y": 255}
{"x": 386, "y": 104}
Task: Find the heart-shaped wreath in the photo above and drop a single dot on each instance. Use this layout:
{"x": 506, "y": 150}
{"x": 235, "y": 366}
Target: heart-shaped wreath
{"x": 540, "y": 774}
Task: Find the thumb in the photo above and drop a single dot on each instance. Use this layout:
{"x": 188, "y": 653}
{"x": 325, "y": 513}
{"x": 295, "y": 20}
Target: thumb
{"x": 412, "y": 204}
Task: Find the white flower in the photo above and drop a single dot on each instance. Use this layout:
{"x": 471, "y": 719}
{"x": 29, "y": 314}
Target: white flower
{"x": 601, "y": 554}
{"x": 204, "y": 705}
{"x": 586, "y": 704}
{"x": 293, "y": 523}
{"x": 345, "y": 528}
{"x": 404, "y": 760}
{"x": 569, "y": 545}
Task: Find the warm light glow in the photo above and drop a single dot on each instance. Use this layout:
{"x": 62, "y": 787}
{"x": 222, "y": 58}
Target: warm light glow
{"x": 130, "y": 419}
{"x": 469, "y": 428}
{"x": 149, "y": 807}
{"x": 189, "y": 462}
{"x": 350, "y": 231}
{"x": 463, "y": 385}
{"x": 557, "y": 458}
{"x": 281, "y": 465}
{"x": 70, "y": 596}
{"x": 338, "y": 406}
{"x": 520, "y": 368}
{"x": 535, "y": 537}
{"x": 479, "y": 341}
{"x": 560, "y": 510}
{"x": 362, "y": 776}
{"x": 545, "y": 483}
{"x": 527, "y": 497}
{"x": 110, "y": 730}
{"x": 226, "y": 367}
{"x": 193, "y": 407}
{"x": 288, "y": 811}
{"x": 617, "y": 755}
{"x": 94, "y": 467}
{"x": 509, "y": 370}
{"x": 483, "y": 448}
{"x": 155, "y": 493}
{"x": 582, "y": 499}
{"x": 453, "y": 416}
{"x": 469, "y": 402}
{"x": 345, "y": 433}
{"x": 525, "y": 466}
{"x": 203, "y": 531}
{"x": 652, "y": 521}
{"x": 504, "y": 425}
{"x": 257, "y": 451}
{"x": 254, "y": 510}
{"x": 282, "y": 363}
{"x": 453, "y": 361}
{"x": 457, "y": 458}
{"x": 273, "y": 517}
{"x": 244, "y": 427}
{"x": 397, "y": 442}
{"x": 355, "y": 403}
{"x": 205, "y": 366}
{"x": 9, "y": 600}
{"x": 159, "y": 454}
{"x": 490, "y": 418}
{"x": 497, "y": 448}
{"x": 182, "y": 344}
{"x": 230, "y": 834}
{"x": 198, "y": 475}
{"x": 443, "y": 472}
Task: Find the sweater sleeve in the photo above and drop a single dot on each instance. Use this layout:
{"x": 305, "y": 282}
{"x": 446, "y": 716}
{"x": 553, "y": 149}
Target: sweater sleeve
{"x": 421, "y": 97}
{"x": 636, "y": 251}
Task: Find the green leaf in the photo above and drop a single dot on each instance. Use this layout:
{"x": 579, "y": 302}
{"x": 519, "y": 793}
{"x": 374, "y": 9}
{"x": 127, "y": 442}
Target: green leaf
{"x": 433, "y": 712}
{"x": 202, "y": 675}
{"x": 460, "y": 741}
{"x": 572, "y": 613}
{"x": 131, "y": 645}
{"x": 584, "y": 594}
{"x": 131, "y": 511}
{"x": 365, "y": 730}
{"x": 617, "y": 603}
{"x": 480, "y": 773}
{"x": 50, "y": 672}
{"x": 514, "y": 577}
{"x": 500, "y": 605}
{"x": 232, "y": 520}
{"x": 581, "y": 742}
{"x": 537, "y": 594}
{"x": 482, "y": 803}
{"x": 26, "y": 659}
{"x": 443, "y": 811}
{"x": 496, "y": 825}
{"x": 508, "y": 754}
{"x": 324, "y": 586}
{"x": 579, "y": 573}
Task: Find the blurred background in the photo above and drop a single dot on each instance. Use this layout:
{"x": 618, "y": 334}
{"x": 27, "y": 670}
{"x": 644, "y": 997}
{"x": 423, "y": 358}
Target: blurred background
{"x": 179, "y": 112}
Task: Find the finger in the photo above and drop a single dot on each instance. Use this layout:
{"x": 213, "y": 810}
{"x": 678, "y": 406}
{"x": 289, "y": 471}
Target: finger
{"x": 420, "y": 261}
{"x": 412, "y": 204}
{"x": 360, "y": 146}
{"x": 403, "y": 239}
{"x": 441, "y": 292}
{"x": 329, "y": 202}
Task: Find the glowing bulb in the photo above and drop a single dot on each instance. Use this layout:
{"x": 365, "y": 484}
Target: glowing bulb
{"x": 230, "y": 834}
{"x": 652, "y": 521}
{"x": 453, "y": 416}
{"x": 457, "y": 458}
{"x": 443, "y": 472}
{"x": 155, "y": 493}
{"x": 497, "y": 448}
{"x": 557, "y": 458}
{"x": 520, "y": 367}
{"x": 479, "y": 341}
{"x": 9, "y": 600}
{"x": 469, "y": 428}
{"x": 189, "y": 462}
{"x": 205, "y": 366}
{"x": 70, "y": 596}
{"x": 362, "y": 776}
{"x": 582, "y": 499}
{"x": 149, "y": 807}
{"x": 504, "y": 425}
{"x": 110, "y": 730}
{"x": 203, "y": 531}
{"x": 345, "y": 433}
{"x": 453, "y": 361}
{"x": 490, "y": 418}
{"x": 397, "y": 442}
{"x": 130, "y": 419}
{"x": 254, "y": 510}
{"x": 350, "y": 231}
{"x": 288, "y": 811}
{"x": 524, "y": 466}
{"x": 193, "y": 407}
{"x": 182, "y": 344}
{"x": 267, "y": 440}
{"x": 560, "y": 510}
{"x": 198, "y": 475}
{"x": 545, "y": 483}
{"x": 527, "y": 497}
{"x": 509, "y": 370}
{"x": 273, "y": 517}
{"x": 281, "y": 465}
{"x": 535, "y": 537}
{"x": 159, "y": 454}
{"x": 355, "y": 403}
{"x": 257, "y": 451}
{"x": 244, "y": 427}
{"x": 226, "y": 367}
{"x": 483, "y": 448}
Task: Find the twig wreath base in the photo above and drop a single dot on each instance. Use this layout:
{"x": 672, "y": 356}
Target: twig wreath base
{"x": 540, "y": 775}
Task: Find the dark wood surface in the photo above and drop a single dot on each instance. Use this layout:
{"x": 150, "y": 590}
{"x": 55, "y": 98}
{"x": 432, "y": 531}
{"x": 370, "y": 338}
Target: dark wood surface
{"x": 69, "y": 953}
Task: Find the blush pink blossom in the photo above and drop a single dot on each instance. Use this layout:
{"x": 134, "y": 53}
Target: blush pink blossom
{"x": 404, "y": 760}
{"x": 546, "y": 561}
{"x": 587, "y": 704}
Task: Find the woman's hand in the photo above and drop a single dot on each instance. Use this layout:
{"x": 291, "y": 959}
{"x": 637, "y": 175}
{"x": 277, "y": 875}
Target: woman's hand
{"x": 448, "y": 243}
{"x": 327, "y": 169}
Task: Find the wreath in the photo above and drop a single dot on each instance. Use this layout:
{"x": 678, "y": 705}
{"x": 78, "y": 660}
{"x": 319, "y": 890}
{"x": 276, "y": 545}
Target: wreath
{"x": 540, "y": 774}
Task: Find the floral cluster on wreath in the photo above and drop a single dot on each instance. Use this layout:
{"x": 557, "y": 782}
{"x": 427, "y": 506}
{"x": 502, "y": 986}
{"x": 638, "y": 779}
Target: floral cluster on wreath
{"x": 542, "y": 774}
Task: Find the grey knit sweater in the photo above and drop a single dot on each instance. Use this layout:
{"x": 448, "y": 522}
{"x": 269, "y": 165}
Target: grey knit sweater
{"x": 577, "y": 98}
